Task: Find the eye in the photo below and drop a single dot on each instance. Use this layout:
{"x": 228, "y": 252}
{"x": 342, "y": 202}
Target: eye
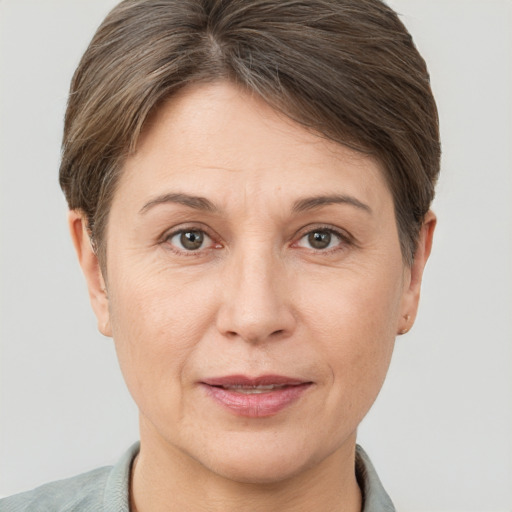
{"x": 189, "y": 239}
{"x": 320, "y": 239}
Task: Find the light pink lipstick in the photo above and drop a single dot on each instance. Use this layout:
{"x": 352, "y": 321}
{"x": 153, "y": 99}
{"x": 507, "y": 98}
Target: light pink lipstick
{"x": 255, "y": 397}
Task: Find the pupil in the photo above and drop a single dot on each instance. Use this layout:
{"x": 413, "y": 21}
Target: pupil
{"x": 319, "y": 239}
{"x": 192, "y": 240}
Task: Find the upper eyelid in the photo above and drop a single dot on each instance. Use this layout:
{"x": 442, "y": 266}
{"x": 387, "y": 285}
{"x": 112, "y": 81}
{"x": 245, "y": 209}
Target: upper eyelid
{"x": 344, "y": 235}
{"x": 169, "y": 233}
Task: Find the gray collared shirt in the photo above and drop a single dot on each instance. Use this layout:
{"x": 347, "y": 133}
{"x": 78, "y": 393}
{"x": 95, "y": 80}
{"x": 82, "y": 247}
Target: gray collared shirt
{"x": 107, "y": 490}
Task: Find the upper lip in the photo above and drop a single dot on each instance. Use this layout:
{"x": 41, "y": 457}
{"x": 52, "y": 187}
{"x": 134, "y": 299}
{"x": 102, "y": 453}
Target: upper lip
{"x": 262, "y": 380}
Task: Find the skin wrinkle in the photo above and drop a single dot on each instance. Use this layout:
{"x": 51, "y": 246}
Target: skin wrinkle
{"x": 201, "y": 203}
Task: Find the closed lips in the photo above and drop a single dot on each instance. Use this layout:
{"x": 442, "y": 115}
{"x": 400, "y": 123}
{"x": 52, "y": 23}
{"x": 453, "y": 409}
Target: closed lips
{"x": 263, "y": 383}
{"x": 255, "y": 397}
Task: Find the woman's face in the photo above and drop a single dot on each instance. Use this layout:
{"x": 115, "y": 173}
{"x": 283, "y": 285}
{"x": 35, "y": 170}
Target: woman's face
{"x": 255, "y": 286}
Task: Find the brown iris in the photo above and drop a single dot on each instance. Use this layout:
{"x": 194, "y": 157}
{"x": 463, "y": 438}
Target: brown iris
{"x": 319, "y": 239}
{"x": 192, "y": 240}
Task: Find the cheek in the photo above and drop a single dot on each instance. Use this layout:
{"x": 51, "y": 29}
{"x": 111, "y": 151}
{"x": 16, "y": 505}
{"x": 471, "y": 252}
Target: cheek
{"x": 352, "y": 321}
{"x": 156, "y": 327}
{"x": 354, "y": 304}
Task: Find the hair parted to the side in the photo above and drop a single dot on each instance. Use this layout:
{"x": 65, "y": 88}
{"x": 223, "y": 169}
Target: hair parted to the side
{"x": 347, "y": 69}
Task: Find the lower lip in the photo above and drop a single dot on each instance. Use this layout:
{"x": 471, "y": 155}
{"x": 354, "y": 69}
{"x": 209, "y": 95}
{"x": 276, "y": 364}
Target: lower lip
{"x": 257, "y": 405}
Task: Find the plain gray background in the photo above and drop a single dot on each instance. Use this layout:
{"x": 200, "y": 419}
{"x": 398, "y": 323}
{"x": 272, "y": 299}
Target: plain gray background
{"x": 439, "y": 434}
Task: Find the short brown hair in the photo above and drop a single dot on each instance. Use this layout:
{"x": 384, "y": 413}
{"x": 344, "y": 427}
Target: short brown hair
{"x": 347, "y": 69}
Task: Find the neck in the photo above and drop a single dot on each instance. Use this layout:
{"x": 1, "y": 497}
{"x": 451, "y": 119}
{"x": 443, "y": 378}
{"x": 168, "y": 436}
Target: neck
{"x": 165, "y": 479}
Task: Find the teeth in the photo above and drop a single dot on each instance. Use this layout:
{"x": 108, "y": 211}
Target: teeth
{"x": 249, "y": 390}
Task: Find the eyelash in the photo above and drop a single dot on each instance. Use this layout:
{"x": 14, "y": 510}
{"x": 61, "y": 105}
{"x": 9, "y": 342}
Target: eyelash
{"x": 168, "y": 236}
{"x": 344, "y": 240}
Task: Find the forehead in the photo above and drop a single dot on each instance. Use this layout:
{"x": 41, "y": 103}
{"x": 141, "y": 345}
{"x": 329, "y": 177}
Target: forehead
{"x": 217, "y": 138}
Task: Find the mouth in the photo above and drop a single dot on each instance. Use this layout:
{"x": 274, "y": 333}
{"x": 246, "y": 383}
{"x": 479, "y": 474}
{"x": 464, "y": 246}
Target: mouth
{"x": 255, "y": 397}
{"x": 252, "y": 390}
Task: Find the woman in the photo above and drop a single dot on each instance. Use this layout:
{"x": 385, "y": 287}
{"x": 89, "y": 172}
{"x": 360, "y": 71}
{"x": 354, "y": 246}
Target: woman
{"x": 249, "y": 187}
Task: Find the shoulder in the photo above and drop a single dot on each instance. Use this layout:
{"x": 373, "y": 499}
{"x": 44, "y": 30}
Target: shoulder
{"x": 103, "y": 489}
{"x": 83, "y": 492}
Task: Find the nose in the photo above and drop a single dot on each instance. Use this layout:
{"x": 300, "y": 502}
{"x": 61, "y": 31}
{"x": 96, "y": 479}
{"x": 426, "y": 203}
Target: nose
{"x": 256, "y": 299}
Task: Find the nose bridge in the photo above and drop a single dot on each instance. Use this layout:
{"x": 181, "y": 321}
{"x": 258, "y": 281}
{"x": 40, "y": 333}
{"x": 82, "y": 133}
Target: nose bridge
{"x": 256, "y": 303}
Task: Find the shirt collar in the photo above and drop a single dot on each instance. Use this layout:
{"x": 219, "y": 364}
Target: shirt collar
{"x": 375, "y": 498}
{"x": 117, "y": 490}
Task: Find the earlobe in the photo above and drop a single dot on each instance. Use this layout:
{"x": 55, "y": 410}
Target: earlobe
{"x": 412, "y": 286}
{"x": 89, "y": 263}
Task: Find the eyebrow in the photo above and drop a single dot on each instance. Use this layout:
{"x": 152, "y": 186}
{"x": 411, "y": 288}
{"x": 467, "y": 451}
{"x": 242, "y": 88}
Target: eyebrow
{"x": 195, "y": 202}
{"x": 301, "y": 205}
{"x": 310, "y": 203}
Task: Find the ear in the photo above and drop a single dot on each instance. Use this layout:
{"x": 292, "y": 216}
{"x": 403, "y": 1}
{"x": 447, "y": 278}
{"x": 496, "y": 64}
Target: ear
{"x": 414, "y": 275}
{"x": 88, "y": 260}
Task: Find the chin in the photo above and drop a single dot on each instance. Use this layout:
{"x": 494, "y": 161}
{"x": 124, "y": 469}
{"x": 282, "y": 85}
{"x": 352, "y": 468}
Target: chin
{"x": 261, "y": 460}
{"x": 260, "y": 471}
